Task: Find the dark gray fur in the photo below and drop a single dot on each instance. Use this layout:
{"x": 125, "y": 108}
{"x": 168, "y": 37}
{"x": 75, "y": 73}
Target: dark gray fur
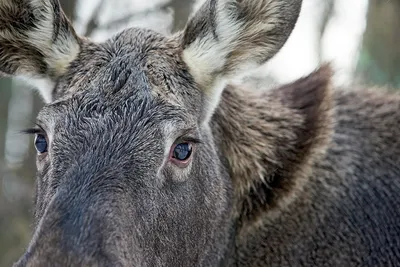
{"x": 302, "y": 175}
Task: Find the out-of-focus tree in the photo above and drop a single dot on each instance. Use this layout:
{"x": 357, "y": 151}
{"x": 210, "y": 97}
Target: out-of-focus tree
{"x": 69, "y": 8}
{"x": 380, "y": 55}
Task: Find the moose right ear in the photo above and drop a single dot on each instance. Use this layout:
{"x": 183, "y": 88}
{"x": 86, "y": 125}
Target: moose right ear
{"x": 37, "y": 42}
{"x": 228, "y": 37}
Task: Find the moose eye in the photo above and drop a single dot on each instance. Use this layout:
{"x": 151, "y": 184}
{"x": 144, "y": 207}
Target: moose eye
{"x": 41, "y": 143}
{"x": 181, "y": 153}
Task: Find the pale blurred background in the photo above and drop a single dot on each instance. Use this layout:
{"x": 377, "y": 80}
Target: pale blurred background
{"x": 361, "y": 38}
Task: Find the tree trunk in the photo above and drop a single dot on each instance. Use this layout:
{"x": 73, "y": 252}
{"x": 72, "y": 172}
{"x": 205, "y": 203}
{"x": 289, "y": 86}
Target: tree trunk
{"x": 380, "y": 55}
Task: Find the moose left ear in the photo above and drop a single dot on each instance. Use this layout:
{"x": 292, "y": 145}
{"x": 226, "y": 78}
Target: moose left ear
{"x": 37, "y": 42}
{"x": 228, "y": 37}
{"x": 304, "y": 125}
{"x": 272, "y": 139}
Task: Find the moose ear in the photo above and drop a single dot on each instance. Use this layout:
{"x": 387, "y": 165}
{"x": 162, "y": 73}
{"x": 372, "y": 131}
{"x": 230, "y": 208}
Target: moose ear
{"x": 37, "y": 42}
{"x": 227, "y": 37}
{"x": 274, "y": 139}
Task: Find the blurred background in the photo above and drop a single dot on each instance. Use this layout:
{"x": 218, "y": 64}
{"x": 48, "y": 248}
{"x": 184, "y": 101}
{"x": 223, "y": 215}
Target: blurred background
{"x": 360, "y": 37}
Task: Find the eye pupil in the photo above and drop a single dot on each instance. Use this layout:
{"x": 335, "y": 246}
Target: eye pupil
{"x": 41, "y": 143}
{"x": 182, "y": 151}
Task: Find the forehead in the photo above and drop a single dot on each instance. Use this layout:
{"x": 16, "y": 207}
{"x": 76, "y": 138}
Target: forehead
{"x": 136, "y": 65}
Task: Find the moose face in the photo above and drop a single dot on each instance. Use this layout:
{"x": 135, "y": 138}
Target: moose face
{"x": 129, "y": 173}
{"x": 125, "y": 164}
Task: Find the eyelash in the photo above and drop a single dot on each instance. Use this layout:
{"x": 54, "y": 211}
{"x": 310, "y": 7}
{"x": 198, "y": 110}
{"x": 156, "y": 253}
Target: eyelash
{"x": 188, "y": 140}
{"x": 33, "y": 131}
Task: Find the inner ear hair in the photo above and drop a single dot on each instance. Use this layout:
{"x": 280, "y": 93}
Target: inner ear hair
{"x": 37, "y": 42}
{"x": 225, "y": 39}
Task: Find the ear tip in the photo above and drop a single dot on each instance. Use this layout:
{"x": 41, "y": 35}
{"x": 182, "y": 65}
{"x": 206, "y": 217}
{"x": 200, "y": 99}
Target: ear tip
{"x": 325, "y": 71}
{"x": 313, "y": 90}
{"x": 320, "y": 78}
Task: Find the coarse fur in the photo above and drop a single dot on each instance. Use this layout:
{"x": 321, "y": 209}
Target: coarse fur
{"x": 301, "y": 175}
{"x": 335, "y": 202}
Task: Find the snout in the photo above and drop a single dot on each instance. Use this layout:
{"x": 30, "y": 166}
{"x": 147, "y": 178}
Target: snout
{"x": 76, "y": 232}
{"x": 49, "y": 249}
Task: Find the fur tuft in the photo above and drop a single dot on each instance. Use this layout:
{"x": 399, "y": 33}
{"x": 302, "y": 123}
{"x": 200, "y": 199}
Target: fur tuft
{"x": 226, "y": 38}
{"x": 37, "y": 41}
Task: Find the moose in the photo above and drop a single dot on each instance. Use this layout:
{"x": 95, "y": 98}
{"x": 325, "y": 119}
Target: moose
{"x": 147, "y": 155}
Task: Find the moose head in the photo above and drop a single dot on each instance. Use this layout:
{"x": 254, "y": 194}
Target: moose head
{"x": 129, "y": 170}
